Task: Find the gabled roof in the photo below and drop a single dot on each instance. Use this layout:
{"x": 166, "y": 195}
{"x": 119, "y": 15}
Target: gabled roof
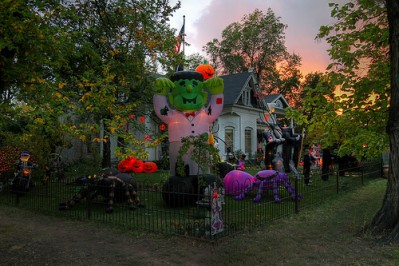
{"x": 271, "y": 97}
{"x": 233, "y": 85}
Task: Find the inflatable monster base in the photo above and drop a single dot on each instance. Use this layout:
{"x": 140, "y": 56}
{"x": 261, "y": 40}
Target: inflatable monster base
{"x": 181, "y": 191}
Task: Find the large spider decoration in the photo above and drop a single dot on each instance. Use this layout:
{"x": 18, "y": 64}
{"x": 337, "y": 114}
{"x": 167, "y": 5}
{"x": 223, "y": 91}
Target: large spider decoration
{"x": 110, "y": 184}
{"x": 269, "y": 180}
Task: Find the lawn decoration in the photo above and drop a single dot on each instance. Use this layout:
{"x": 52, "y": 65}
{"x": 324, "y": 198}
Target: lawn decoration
{"x": 22, "y": 181}
{"x": 150, "y": 167}
{"x": 111, "y": 185}
{"x": 239, "y": 184}
{"x": 236, "y": 181}
{"x": 138, "y": 166}
{"x": 126, "y": 165}
{"x": 131, "y": 164}
{"x": 223, "y": 168}
{"x": 179, "y": 102}
{"x": 206, "y": 70}
{"x": 271, "y": 147}
{"x": 290, "y": 149}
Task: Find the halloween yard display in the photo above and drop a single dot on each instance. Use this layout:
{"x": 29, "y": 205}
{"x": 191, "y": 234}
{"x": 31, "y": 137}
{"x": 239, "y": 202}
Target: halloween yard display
{"x": 272, "y": 143}
{"x": 290, "y": 148}
{"x": 206, "y": 70}
{"x": 131, "y": 164}
{"x": 22, "y": 181}
{"x": 112, "y": 185}
{"x": 239, "y": 184}
{"x": 182, "y": 103}
{"x": 237, "y": 181}
{"x": 150, "y": 167}
{"x": 126, "y": 165}
{"x": 282, "y": 149}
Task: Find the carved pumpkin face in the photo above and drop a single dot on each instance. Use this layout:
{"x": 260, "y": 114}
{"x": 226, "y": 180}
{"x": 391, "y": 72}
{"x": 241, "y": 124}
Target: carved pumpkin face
{"x": 150, "y": 167}
{"x": 138, "y": 166}
{"x": 126, "y": 165}
{"x": 122, "y": 166}
{"x": 206, "y": 70}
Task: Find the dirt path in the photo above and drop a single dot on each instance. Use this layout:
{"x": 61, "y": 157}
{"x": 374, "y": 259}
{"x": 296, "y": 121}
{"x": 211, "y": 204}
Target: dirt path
{"x": 321, "y": 238}
{"x": 34, "y": 239}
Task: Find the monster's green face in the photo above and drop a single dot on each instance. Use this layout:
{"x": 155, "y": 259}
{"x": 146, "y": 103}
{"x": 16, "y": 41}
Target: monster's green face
{"x": 187, "y": 94}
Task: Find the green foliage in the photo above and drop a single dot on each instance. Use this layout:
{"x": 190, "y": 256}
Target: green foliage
{"x": 257, "y": 43}
{"x": 204, "y": 154}
{"x": 194, "y": 60}
{"x": 75, "y": 69}
{"x": 353, "y": 118}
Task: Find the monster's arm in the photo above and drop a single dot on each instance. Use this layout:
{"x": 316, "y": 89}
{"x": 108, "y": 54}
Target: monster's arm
{"x": 161, "y": 107}
{"x": 163, "y": 86}
{"x": 215, "y": 106}
{"x": 215, "y": 85}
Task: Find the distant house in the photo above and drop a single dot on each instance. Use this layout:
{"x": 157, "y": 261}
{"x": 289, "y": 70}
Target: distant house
{"x": 246, "y": 114}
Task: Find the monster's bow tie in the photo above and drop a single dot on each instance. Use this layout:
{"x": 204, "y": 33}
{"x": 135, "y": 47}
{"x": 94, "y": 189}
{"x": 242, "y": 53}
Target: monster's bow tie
{"x": 190, "y": 114}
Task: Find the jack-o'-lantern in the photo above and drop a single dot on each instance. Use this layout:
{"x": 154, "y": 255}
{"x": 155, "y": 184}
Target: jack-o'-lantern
{"x": 150, "y": 167}
{"x": 126, "y": 165}
{"x": 138, "y": 166}
{"x": 206, "y": 70}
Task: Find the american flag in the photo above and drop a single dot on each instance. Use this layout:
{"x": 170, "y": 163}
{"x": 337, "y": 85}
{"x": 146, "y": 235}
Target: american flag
{"x": 179, "y": 40}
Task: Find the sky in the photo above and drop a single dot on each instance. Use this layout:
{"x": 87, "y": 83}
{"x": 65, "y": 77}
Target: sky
{"x": 206, "y": 19}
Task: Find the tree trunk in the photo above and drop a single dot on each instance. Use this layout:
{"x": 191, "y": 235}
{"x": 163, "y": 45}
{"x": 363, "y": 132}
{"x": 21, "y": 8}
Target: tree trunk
{"x": 106, "y": 161}
{"x": 387, "y": 218}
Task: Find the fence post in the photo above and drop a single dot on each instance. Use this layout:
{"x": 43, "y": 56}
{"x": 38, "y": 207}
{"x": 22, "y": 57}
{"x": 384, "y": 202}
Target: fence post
{"x": 338, "y": 181}
{"x": 362, "y": 171}
{"x": 88, "y": 199}
{"x": 17, "y": 199}
{"x": 296, "y": 196}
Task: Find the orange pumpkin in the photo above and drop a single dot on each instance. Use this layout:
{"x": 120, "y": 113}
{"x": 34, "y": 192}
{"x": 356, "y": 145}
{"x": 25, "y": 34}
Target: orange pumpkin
{"x": 138, "y": 166}
{"x": 206, "y": 70}
{"x": 126, "y": 165}
{"x": 150, "y": 167}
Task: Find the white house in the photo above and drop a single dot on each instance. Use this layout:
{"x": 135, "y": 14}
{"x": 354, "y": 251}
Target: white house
{"x": 246, "y": 114}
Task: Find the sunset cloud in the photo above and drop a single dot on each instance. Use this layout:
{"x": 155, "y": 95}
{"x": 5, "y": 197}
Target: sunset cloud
{"x": 205, "y": 20}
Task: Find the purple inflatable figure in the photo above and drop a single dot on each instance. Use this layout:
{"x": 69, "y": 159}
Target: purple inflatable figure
{"x": 269, "y": 180}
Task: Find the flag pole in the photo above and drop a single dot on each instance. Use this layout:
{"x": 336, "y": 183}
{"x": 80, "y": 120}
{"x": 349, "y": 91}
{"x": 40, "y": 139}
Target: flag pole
{"x": 184, "y": 33}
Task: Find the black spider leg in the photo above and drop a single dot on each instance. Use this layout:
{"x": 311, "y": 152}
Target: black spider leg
{"x": 111, "y": 195}
{"x": 131, "y": 196}
{"x": 80, "y": 195}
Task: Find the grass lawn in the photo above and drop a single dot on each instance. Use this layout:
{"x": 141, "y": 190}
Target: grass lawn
{"x": 330, "y": 234}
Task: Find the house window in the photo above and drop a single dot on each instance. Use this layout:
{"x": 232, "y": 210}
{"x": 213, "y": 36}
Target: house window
{"x": 246, "y": 97}
{"x": 248, "y": 140}
{"x": 228, "y": 139}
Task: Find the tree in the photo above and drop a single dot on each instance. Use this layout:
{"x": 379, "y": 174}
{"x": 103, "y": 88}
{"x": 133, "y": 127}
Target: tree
{"x": 354, "y": 117}
{"x": 257, "y": 43}
{"x": 26, "y": 49}
{"x": 193, "y": 61}
{"x": 387, "y": 218}
{"x": 316, "y": 107}
{"x": 362, "y": 40}
{"x": 89, "y": 62}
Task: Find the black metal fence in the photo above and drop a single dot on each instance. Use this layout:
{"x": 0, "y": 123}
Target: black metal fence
{"x": 210, "y": 216}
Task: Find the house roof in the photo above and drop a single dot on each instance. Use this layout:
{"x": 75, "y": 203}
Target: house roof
{"x": 233, "y": 85}
{"x": 271, "y": 97}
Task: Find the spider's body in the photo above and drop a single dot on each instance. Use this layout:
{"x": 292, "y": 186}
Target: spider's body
{"x": 112, "y": 185}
